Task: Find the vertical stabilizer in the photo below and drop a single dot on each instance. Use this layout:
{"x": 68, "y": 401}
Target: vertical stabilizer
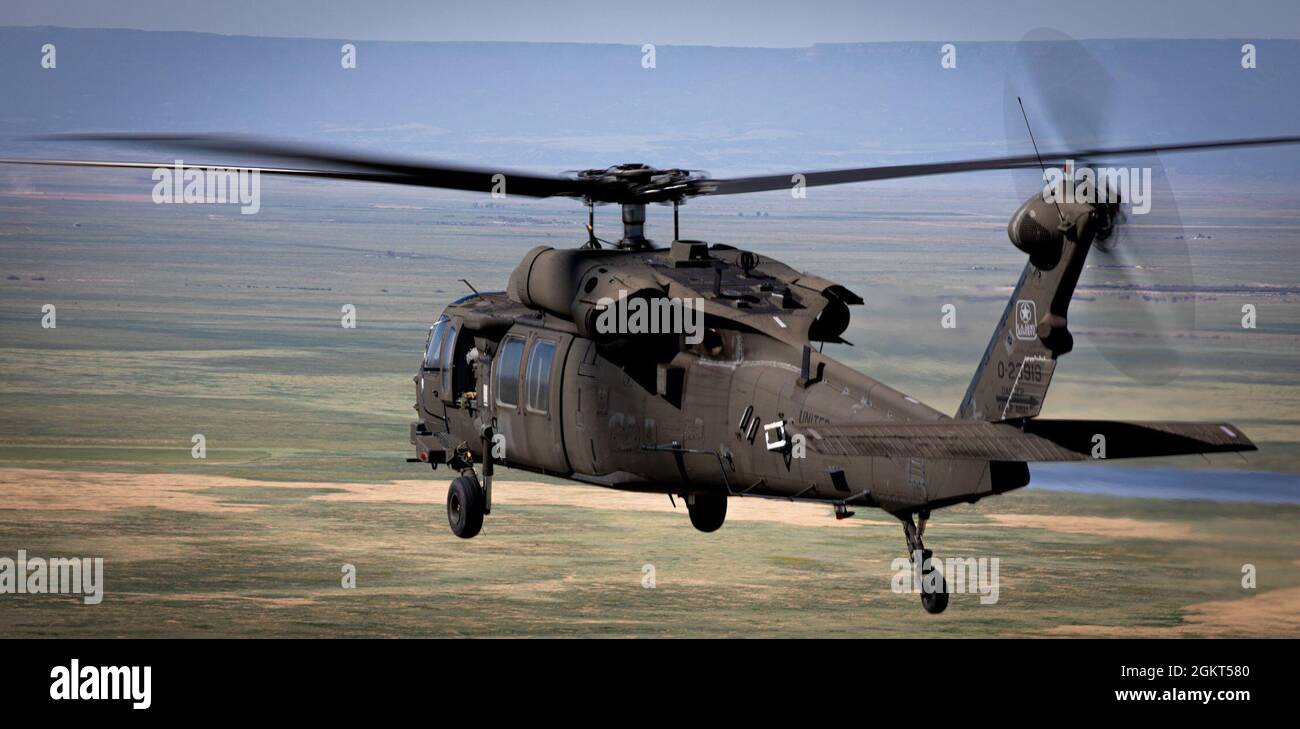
{"x": 1012, "y": 379}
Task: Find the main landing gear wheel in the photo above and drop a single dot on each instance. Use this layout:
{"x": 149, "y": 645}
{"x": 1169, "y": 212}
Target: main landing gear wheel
{"x": 934, "y": 597}
{"x": 465, "y": 507}
{"x": 707, "y": 511}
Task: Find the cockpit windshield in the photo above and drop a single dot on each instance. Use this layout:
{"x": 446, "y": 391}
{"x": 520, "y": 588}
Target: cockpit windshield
{"x": 433, "y": 349}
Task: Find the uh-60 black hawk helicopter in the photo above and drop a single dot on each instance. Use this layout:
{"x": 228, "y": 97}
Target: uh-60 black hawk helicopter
{"x": 526, "y": 377}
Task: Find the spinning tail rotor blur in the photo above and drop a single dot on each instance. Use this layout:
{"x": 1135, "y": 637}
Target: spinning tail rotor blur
{"x": 1138, "y": 287}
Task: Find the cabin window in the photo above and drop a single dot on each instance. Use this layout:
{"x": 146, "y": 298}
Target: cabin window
{"x": 433, "y": 348}
{"x": 507, "y": 365}
{"x": 539, "y": 375}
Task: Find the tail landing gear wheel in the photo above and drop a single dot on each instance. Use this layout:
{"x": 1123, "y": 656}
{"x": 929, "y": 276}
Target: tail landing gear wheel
{"x": 934, "y": 601}
{"x": 465, "y": 507}
{"x": 934, "y": 595}
{"x": 708, "y": 511}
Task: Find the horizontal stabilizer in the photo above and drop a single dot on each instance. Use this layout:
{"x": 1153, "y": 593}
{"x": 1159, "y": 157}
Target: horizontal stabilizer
{"x": 1034, "y": 440}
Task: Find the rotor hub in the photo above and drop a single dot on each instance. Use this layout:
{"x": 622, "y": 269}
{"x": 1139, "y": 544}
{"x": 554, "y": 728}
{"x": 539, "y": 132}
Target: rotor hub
{"x": 639, "y": 184}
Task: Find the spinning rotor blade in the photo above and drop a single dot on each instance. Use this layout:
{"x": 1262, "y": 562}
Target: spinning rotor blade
{"x": 893, "y": 172}
{"x": 330, "y": 174}
{"x": 1138, "y": 281}
{"x": 335, "y": 165}
{"x": 625, "y": 184}
{"x": 1144, "y": 282}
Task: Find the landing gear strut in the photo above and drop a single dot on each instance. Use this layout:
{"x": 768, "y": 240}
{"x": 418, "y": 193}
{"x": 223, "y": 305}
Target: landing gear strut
{"x": 934, "y": 590}
{"x": 467, "y": 501}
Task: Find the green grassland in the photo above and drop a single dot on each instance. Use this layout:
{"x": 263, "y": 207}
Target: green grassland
{"x": 179, "y": 320}
{"x": 540, "y": 570}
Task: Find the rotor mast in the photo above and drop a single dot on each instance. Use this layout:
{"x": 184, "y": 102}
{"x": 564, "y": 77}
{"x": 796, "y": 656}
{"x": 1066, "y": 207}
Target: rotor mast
{"x": 634, "y": 227}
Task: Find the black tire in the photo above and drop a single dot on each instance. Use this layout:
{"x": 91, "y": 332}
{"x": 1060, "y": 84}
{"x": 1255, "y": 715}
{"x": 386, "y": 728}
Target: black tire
{"x": 935, "y": 602}
{"x": 708, "y": 511}
{"x": 465, "y": 507}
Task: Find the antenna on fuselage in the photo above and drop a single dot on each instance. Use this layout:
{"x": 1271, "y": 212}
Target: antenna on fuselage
{"x": 1041, "y": 166}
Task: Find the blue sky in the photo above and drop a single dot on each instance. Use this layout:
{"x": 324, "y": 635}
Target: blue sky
{"x": 774, "y": 23}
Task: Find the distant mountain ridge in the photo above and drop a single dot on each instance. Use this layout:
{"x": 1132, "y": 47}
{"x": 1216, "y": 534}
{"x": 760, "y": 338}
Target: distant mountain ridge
{"x": 563, "y": 106}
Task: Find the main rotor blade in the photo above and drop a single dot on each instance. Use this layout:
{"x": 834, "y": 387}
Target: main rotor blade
{"x": 347, "y": 166}
{"x": 892, "y": 172}
{"x": 324, "y": 174}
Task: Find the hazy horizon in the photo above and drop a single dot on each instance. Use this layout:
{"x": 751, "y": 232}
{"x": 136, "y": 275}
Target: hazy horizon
{"x": 727, "y": 110}
{"x": 738, "y": 23}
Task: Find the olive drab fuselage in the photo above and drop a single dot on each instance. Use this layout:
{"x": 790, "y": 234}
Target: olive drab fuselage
{"x": 526, "y": 377}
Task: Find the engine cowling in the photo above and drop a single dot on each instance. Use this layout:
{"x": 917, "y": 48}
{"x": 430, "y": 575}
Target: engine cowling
{"x": 575, "y": 284}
